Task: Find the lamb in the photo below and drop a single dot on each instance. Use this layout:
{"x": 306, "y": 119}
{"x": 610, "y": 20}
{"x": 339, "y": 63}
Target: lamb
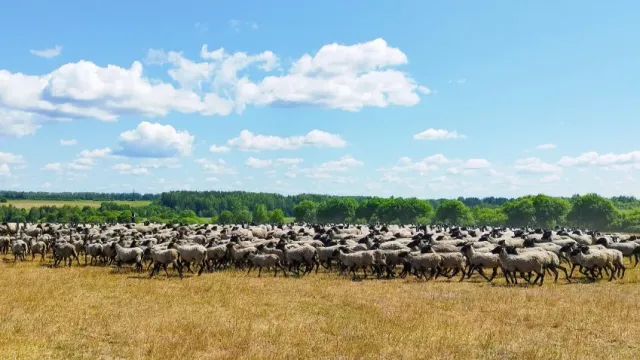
{"x": 238, "y": 254}
{"x": 480, "y": 260}
{"x": 162, "y": 258}
{"x": 18, "y": 248}
{"x": 265, "y": 260}
{"x": 522, "y": 263}
{"x": 127, "y": 256}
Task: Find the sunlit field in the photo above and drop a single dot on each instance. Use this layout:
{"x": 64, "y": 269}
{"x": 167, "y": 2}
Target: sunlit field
{"x": 96, "y": 313}
{"x": 28, "y": 204}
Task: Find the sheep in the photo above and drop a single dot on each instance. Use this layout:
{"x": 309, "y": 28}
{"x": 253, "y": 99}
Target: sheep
{"x": 94, "y": 250}
{"x": 522, "y": 263}
{"x": 450, "y": 261}
{"x": 162, "y": 258}
{"x": 479, "y": 260}
{"x": 550, "y": 260}
{"x": 63, "y": 251}
{"x": 295, "y": 257}
{"x": 37, "y": 247}
{"x": 265, "y": 260}
{"x": 593, "y": 261}
{"x": 628, "y": 249}
{"x": 238, "y": 254}
{"x": 192, "y": 253}
{"x": 5, "y": 241}
{"x": 127, "y": 256}
{"x": 420, "y": 263}
{"x": 18, "y": 249}
{"x": 360, "y": 260}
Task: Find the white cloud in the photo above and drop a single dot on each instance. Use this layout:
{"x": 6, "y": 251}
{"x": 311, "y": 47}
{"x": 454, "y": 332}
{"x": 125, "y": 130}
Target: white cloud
{"x": 290, "y": 175}
{"x": 595, "y": 159}
{"x": 438, "y": 134}
{"x": 9, "y": 158}
{"x": 217, "y": 168}
{"x": 346, "y": 77}
{"x": 4, "y": 170}
{"x": 212, "y": 179}
{"x": 247, "y": 141}
{"x": 289, "y": 161}
{"x": 47, "y": 53}
{"x": 70, "y": 142}
{"x": 257, "y": 163}
{"x": 551, "y": 178}
{"x": 476, "y": 164}
{"x": 15, "y": 123}
{"x": 127, "y": 169}
{"x": 96, "y": 153}
{"x": 535, "y": 165}
{"x": 546, "y": 146}
{"x": 218, "y": 149}
{"x": 166, "y": 163}
{"x": 57, "y": 167}
{"x": 46, "y": 185}
{"x": 153, "y": 140}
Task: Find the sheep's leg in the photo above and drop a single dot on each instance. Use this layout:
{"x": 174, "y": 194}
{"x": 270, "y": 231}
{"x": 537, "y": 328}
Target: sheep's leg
{"x": 463, "y": 274}
{"x": 564, "y": 270}
{"x": 259, "y": 271}
{"x": 573, "y": 267}
{"x": 612, "y": 273}
{"x": 278, "y": 265}
{"x": 555, "y": 273}
{"x": 621, "y": 269}
{"x": 493, "y": 274}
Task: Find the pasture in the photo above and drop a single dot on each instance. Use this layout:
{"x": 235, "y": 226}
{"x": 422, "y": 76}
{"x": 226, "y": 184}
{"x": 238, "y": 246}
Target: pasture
{"x": 28, "y": 204}
{"x": 94, "y": 312}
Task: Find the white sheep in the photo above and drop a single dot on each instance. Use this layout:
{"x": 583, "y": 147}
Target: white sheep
{"x": 523, "y": 263}
{"x": 479, "y": 261}
{"x": 265, "y": 260}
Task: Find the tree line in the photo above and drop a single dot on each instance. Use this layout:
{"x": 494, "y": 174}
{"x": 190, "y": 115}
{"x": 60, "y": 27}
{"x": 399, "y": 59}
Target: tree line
{"x": 586, "y": 211}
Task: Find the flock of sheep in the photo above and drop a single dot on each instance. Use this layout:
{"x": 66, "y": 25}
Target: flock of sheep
{"x": 384, "y": 251}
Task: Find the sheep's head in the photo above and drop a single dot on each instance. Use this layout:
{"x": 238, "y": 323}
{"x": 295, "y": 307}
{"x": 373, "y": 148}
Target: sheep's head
{"x": 498, "y": 249}
{"x": 511, "y": 250}
{"x": 426, "y": 249}
{"x": 602, "y": 241}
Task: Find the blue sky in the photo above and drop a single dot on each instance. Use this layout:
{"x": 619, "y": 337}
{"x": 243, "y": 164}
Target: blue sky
{"x": 414, "y": 98}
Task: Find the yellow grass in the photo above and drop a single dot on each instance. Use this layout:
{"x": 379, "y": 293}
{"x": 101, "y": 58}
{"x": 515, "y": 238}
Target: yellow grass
{"x": 94, "y": 313}
{"x": 28, "y": 204}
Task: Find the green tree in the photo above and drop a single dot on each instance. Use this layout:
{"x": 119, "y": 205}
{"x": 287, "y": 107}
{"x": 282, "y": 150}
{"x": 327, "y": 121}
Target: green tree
{"x": 592, "y": 211}
{"x": 453, "y": 212}
{"x": 226, "y": 217}
{"x": 276, "y": 216}
{"x": 242, "y": 216}
{"x": 520, "y": 212}
{"x": 488, "y": 216}
{"x": 260, "y": 214}
{"x": 337, "y": 210}
{"x": 305, "y": 211}
{"x": 550, "y": 211}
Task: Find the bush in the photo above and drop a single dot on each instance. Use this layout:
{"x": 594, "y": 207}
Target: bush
{"x": 3, "y": 200}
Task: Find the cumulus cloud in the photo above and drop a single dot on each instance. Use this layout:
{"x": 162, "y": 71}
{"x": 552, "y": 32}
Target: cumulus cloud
{"x": 218, "y": 149}
{"x": 337, "y": 76}
{"x": 257, "y": 163}
{"x": 70, "y": 142}
{"x": 551, "y": 178}
{"x": 128, "y": 169}
{"x": 153, "y": 140}
{"x": 166, "y": 163}
{"x": 9, "y": 158}
{"x": 438, "y": 134}
{"x": 215, "y": 167}
{"x": 47, "y": 53}
{"x": 57, "y": 167}
{"x": 594, "y": 159}
{"x": 535, "y": 165}
{"x": 15, "y": 123}
{"x": 247, "y": 141}
{"x": 546, "y": 146}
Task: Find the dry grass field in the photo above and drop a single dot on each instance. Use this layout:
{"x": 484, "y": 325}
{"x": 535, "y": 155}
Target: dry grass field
{"x": 28, "y": 204}
{"x": 95, "y": 313}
